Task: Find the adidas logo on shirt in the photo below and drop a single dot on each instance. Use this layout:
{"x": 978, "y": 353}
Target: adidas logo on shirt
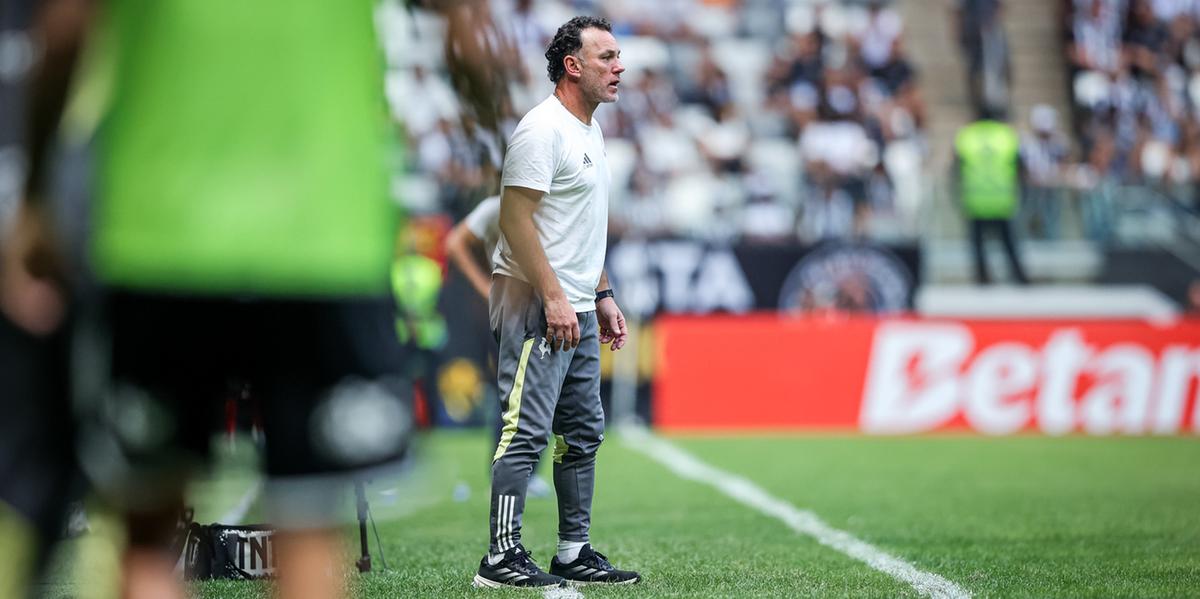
{"x": 587, "y": 162}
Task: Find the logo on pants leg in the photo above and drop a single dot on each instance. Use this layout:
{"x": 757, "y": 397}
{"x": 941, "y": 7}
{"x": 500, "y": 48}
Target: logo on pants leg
{"x": 543, "y": 349}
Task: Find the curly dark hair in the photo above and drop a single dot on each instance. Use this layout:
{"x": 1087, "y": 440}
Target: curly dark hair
{"x": 568, "y": 40}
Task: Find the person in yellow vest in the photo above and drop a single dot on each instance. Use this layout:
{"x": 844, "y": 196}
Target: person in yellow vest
{"x": 416, "y": 284}
{"x": 987, "y": 166}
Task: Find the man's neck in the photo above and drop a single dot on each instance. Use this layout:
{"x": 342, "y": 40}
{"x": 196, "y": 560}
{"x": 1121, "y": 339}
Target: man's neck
{"x": 573, "y": 101}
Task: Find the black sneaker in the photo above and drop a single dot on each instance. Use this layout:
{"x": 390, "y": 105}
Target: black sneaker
{"x": 515, "y": 569}
{"x": 592, "y": 567}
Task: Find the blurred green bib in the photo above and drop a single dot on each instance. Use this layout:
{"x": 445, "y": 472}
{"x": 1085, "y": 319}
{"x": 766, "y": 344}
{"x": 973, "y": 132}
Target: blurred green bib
{"x": 988, "y": 153}
{"x": 245, "y": 149}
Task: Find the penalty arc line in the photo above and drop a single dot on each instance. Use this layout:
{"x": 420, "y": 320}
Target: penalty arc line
{"x": 805, "y": 522}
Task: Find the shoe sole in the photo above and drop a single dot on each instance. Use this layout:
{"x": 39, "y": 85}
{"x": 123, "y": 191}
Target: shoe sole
{"x": 486, "y": 583}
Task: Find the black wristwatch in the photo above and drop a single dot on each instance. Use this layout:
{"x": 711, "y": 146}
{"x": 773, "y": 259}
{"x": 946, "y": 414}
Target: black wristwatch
{"x": 603, "y": 294}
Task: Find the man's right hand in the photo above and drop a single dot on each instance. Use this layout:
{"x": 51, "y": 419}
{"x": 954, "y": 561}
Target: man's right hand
{"x": 31, "y": 293}
{"x": 562, "y": 325}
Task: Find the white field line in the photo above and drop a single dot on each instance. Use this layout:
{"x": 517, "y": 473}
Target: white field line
{"x": 238, "y": 512}
{"x": 562, "y": 593}
{"x": 804, "y": 522}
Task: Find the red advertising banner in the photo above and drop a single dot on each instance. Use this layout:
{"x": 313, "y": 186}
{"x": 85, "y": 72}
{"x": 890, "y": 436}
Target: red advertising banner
{"x": 895, "y": 376}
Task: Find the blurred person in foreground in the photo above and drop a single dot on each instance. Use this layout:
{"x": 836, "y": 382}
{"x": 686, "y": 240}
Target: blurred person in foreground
{"x": 242, "y": 230}
{"x": 988, "y": 172}
{"x": 551, "y": 309}
{"x": 38, "y": 468}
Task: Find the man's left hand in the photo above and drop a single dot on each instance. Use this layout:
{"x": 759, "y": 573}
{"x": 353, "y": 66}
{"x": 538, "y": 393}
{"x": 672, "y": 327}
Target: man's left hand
{"x": 612, "y": 324}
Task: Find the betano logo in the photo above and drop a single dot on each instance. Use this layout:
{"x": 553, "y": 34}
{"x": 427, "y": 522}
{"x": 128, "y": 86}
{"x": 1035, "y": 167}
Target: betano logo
{"x": 924, "y": 376}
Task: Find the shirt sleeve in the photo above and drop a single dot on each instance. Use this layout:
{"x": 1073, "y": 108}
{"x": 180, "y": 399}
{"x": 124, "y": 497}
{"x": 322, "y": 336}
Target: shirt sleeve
{"x": 530, "y": 160}
{"x": 484, "y": 217}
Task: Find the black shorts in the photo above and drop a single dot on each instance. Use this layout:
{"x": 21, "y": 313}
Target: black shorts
{"x": 325, "y": 374}
{"x": 38, "y": 475}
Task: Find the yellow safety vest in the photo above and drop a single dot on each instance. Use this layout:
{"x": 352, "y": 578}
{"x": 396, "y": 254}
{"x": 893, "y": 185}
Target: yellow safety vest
{"x": 988, "y": 152}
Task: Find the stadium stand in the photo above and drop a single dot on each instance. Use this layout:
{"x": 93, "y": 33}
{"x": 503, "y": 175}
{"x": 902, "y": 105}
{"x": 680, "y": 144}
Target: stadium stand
{"x": 797, "y": 121}
{"x": 787, "y": 120}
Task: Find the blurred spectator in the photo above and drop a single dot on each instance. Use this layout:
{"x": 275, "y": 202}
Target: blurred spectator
{"x": 878, "y": 39}
{"x": 461, "y": 162}
{"x": 1095, "y": 37}
{"x": 1144, "y": 41}
{"x": 829, "y": 211}
{"x": 1137, "y": 94}
{"x": 1044, "y": 154}
{"x": 765, "y": 219}
{"x": 710, "y": 86}
{"x": 1099, "y": 178}
{"x": 799, "y": 61}
{"x": 641, "y": 213}
{"x": 980, "y": 33}
{"x": 1193, "y": 298}
{"x": 438, "y": 100}
{"x": 652, "y": 99}
{"x": 725, "y": 143}
{"x": 988, "y": 169}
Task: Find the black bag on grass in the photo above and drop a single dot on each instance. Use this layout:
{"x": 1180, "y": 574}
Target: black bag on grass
{"x": 245, "y": 552}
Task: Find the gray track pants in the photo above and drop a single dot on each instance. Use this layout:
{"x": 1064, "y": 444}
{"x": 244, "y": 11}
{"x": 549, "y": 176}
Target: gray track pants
{"x": 543, "y": 392}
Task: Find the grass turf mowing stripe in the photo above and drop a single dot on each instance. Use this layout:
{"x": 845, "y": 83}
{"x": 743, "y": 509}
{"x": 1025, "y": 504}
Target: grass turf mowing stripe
{"x": 237, "y": 513}
{"x": 805, "y": 522}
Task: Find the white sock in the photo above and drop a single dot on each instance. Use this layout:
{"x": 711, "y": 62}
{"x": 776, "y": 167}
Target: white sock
{"x": 494, "y": 558}
{"x": 568, "y": 551}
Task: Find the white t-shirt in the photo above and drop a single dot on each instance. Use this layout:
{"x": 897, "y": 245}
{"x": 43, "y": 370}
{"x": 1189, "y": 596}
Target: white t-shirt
{"x": 484, "y": 223}
{"x": 553, "y": 152}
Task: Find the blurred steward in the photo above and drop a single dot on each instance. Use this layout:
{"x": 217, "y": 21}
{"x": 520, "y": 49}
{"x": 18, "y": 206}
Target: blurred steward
{"x": 987, "y": 164}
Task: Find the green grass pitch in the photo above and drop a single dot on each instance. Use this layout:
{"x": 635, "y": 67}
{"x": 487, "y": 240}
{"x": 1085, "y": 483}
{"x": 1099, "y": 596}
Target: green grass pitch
{"x": 1001, "y": 517}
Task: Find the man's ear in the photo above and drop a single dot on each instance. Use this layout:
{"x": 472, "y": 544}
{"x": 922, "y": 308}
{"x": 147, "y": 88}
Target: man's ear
{"x": 572, "y": 64}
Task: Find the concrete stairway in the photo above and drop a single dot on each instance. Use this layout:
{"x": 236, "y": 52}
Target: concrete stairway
{"x": 1035, "y": 46}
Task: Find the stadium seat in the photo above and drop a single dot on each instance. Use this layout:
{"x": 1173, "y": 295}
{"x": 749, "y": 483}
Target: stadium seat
{"x": 417, "y": 193}
{"x": 745, "y": 63}
{"x": 669, "y": 150}
{"x": 903, "y": 159}
{"x": 689, "y": 201}
{"x": 639, "y": 53}
{"x": 779, "y": 161}
{"x": 1091, "y": 88}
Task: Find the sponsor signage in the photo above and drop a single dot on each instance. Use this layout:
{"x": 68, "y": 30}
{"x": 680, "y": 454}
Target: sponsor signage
{"x": 655, "y": 277}
{"x": 686, "y": 276}
{"x": 898, "y": 376}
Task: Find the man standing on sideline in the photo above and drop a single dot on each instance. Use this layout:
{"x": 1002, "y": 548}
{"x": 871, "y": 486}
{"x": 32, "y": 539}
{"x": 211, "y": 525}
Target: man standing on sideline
{"x": 551, "y": 309}
{"x": 987, "y": 156}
